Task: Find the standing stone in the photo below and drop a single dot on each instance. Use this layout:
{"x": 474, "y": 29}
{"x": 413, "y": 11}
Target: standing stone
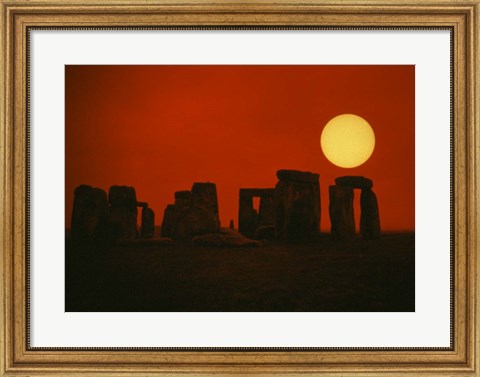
{"x": 122, "y": 196}
{"x": 198, "y": 221}
{"x": 122, "y": 222}
{"x": 148, "y": 223}
{"x": 196, "y": 211}
{"x": 249, "y": 220}
{"x": 297, "y": 205}
{"x": 369, "y": 217}
{"x": 142, "y": 204}
{"x": 183, "y": 201}
{"x": 354, "y": 181}
{"x": 341, "y": 212}
{"x": 232, "y": 226}
{"x": 266, "y": 211}
{"x": 89, "y": 215}
{"x": 168, "y": 221}
{"x": 247, "y": 215}
{"x": 297, "y": 176}
{"x": 204, "y": 195}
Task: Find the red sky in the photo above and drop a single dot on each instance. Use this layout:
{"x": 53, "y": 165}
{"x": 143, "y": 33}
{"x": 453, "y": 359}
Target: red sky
{"x": 161, "y": 128}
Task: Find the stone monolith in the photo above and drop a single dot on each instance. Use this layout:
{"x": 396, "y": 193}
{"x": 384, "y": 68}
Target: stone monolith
{"x": 90, "y": 214}
{"x": 369, "y": 217}
{"x": 341, "y": 212}
{"x": 297, "y": 205}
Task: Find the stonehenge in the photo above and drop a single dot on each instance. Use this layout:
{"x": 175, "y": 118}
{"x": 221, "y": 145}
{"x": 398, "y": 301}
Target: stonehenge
{"x": 297, "y": 205}
{"x": 291, "y": 211}
{"x": 341, "y": 208}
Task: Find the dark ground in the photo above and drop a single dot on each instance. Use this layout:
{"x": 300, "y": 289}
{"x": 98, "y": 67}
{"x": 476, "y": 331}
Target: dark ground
{"x": 326, "y": 276}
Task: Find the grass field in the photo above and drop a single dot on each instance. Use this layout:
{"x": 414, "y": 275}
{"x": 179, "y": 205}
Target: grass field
{"x": 324, "y": 276}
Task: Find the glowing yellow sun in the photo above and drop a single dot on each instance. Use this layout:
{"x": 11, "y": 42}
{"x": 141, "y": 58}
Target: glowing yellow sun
{"x": 347, "y": 141}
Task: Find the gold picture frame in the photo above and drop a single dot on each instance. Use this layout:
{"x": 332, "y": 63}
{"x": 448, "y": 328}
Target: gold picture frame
{"x": 19, "y": 359}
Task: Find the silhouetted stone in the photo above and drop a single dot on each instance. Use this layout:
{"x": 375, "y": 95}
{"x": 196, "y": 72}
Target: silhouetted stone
{"x": 122, "y": 222}
{"x": 148, "y": 223}
{"x": 195, "y": 212}
{"x": 89, "y": 215}
{"x": 232, "y": 225}
{"x": 225, "y": 238}
{"x": 247, "y": 216}
{"x": 297, "y": 205}
{"x": 369, "y": 218}
{"x": 122, "y": 196}
{"x": 195, "y": 221}
{"x": 298, "y": 176}
{"x": 183, "y": 200}
{"x": 341, "y": 212}
{"x": 142, "y": 204}
{"x": 266, "y": 211}
{"x": 265, "y": 232}
{"x": 168, "y": 221}
{"x": 257, "y": 192}
{"x": 354, "y": 181}
{"x": 204, "y": 195}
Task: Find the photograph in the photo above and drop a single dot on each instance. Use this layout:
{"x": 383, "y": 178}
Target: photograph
{"x": 239, "y": 188}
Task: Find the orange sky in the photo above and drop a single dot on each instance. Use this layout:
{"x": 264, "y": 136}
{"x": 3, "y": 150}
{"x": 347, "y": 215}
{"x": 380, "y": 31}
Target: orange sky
{"x": 161, "y": 128}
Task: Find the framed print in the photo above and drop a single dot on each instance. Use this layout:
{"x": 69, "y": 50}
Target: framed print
{"x": 262, "y": 188}
{"x": 201, "y": 222}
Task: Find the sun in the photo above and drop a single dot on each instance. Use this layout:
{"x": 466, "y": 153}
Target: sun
{"x": 347, "y": 141}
